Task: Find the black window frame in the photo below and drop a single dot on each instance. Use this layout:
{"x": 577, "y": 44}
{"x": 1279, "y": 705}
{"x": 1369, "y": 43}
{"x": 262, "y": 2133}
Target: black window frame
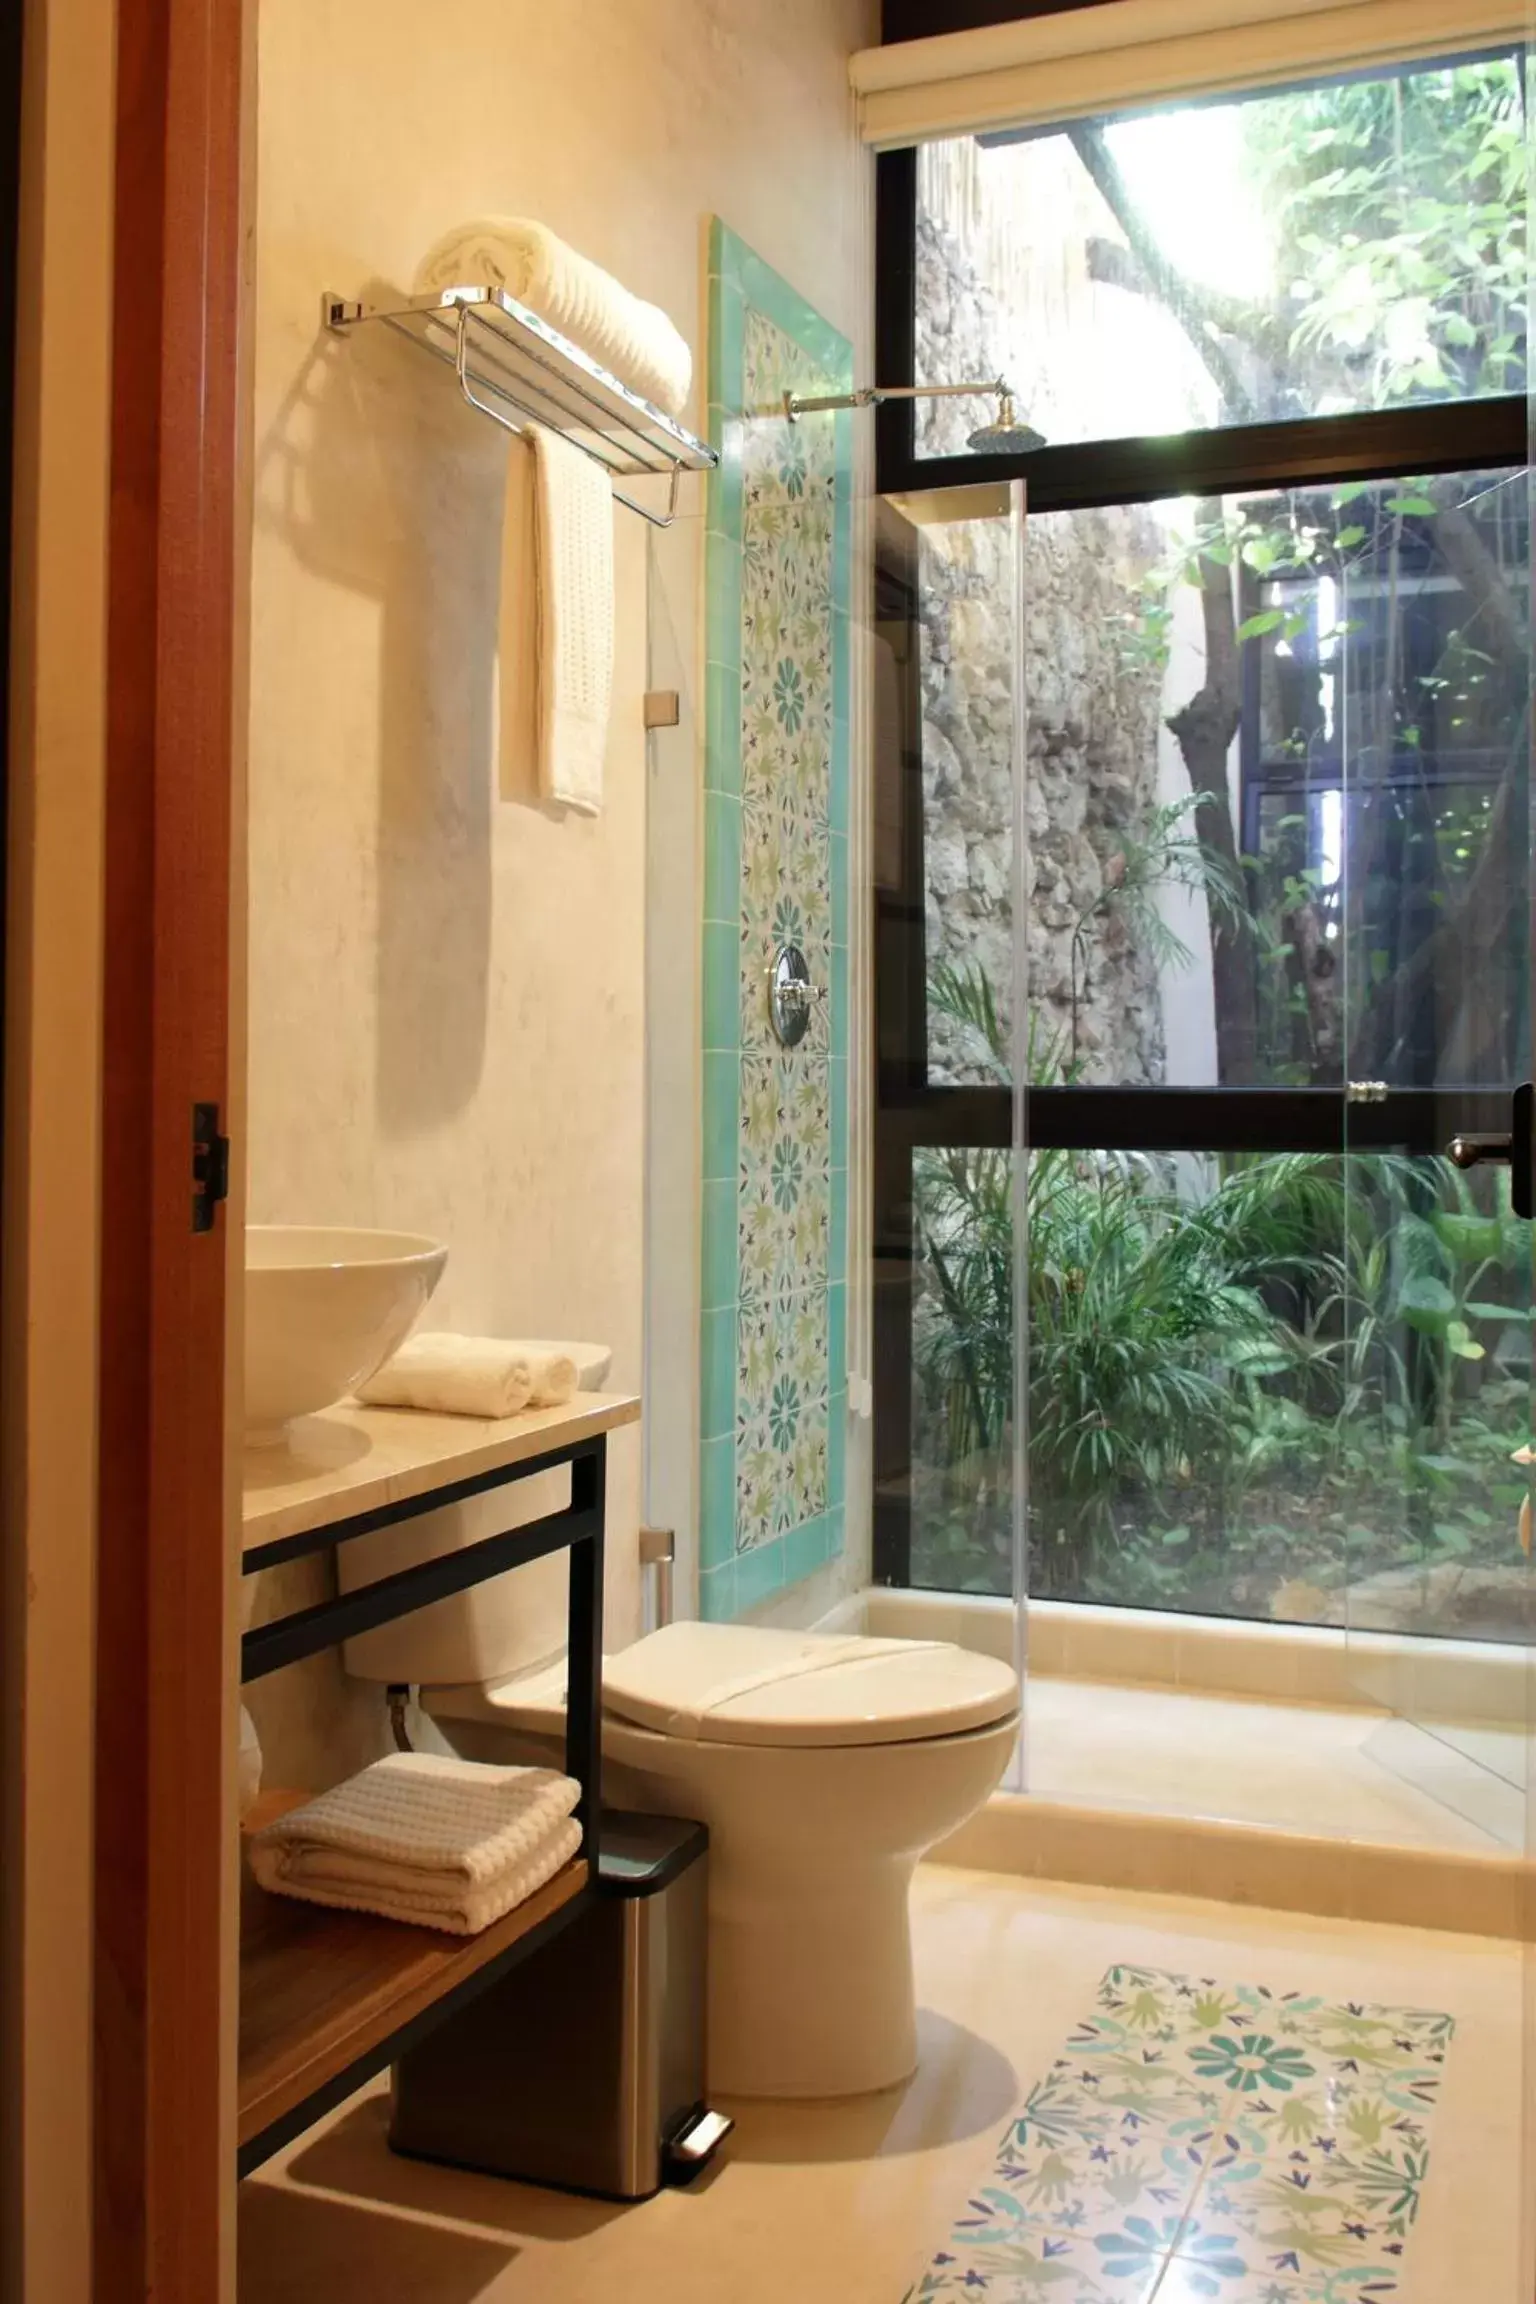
{"x": 910, "y": 1112}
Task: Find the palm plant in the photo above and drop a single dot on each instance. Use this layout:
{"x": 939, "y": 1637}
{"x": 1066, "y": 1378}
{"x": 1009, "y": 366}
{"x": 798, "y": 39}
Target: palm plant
{"x": 1153, "y": 1334}
{"x": 1163, "y": 852}
{"x": 1146, "y": 1317}
{"x": 1295, "y": 1326}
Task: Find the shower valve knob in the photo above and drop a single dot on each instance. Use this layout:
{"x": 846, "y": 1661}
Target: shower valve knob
{"x": 790, "y": 995}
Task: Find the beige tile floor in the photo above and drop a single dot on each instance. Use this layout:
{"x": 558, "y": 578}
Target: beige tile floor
{"x": 845, "y": 2204}
{"x": 1358, "y": 1772}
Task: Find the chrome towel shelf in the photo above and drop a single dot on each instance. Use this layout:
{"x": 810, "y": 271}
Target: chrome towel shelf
{"x": 516, "y": 369}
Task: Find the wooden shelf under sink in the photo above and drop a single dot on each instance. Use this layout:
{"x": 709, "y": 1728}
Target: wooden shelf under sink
{"x": 329, "y": 1998}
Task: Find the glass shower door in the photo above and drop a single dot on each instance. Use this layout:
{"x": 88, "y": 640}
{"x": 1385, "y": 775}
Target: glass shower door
{"x": 945, "y": 862}
{"x": 1424, "y": 634}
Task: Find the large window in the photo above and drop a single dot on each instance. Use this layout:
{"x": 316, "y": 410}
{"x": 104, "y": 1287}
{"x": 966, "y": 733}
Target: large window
{"x": 1276, "y": 686}
{"x": 1307, "y": 252}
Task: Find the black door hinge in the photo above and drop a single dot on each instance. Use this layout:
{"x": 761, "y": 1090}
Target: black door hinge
{"x": 210, "y": 1166}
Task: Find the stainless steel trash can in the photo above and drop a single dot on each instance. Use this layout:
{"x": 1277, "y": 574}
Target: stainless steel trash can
{"x": 584, "y": 2067}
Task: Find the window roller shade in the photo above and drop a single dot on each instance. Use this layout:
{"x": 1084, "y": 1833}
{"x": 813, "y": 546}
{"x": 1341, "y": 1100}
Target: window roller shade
{"x": 1126, "y": 53}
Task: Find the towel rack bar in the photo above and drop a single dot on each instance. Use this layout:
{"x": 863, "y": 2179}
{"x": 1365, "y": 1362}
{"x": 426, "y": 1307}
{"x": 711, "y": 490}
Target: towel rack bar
{"x": 511, "y": 365}
{"x": 537, "y": 416}
{"x": 545, "y": 402}
{"x": 633, "y": 504}
{"x": 591, "y": 411}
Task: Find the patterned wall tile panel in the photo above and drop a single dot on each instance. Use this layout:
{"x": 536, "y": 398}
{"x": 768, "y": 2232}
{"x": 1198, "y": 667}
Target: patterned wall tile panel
{"x": 778, "y": 585}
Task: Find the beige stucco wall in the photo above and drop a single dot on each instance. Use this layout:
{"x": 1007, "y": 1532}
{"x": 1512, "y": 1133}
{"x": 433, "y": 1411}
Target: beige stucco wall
{"x": 48, "y": 1308}
{"x": 447, "y": 999}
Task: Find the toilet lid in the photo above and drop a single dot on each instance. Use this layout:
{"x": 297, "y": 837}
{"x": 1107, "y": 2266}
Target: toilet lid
{"x": 736, "y": 1684}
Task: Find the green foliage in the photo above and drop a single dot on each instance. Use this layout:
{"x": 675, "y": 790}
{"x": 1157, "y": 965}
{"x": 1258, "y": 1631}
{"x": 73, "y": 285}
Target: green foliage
{"x": 1239, "y": 1367}
{"x": 1399, "y": 210}
{"x": 1163, "y": 851}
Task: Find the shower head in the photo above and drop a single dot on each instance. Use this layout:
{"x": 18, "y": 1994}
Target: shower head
{"x": 1005, "y": 436}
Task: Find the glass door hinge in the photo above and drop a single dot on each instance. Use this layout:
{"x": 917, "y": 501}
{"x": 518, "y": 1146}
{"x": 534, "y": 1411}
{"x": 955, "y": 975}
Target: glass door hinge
{"x": 210, "y": 1166}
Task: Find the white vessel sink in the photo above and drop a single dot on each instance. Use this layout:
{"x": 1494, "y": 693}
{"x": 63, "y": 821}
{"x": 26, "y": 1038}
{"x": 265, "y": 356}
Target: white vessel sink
{"x": 324, "y": 1308}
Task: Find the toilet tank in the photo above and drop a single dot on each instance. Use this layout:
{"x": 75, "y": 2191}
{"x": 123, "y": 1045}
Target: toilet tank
{"x": 486, "y": 1634}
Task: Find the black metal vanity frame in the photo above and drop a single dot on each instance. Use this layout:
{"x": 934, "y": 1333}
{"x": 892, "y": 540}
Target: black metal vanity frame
{"x": 576, "y": 1528}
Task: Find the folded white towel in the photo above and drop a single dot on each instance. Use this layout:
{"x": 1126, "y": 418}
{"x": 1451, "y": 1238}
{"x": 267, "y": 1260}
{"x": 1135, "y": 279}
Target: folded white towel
{"x": 441, "y": 1842}
{"x": 471, "y": 1376}
{"x": 634, "y": 340}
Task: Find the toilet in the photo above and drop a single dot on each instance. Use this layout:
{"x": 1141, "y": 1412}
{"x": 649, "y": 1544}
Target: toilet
{"x": 824, "y": 1765}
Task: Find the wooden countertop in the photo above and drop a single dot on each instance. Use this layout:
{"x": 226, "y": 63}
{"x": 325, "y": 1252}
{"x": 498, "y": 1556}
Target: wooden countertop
{"x": 354, "y": 1459}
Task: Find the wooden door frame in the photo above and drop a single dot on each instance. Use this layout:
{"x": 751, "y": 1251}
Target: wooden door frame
{"x": 163, "y": 2156}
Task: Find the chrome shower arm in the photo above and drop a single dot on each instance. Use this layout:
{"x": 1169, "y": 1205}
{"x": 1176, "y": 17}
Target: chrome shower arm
{"x": 871, "y": 395}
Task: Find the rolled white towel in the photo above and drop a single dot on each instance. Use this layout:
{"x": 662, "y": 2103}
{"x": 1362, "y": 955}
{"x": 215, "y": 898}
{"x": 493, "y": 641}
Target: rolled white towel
{"x": 421, "y": 1837}
{"x": 250, "y": 1763}
{"x": 471, "y": 1376}
{"x": 634, "y": 340}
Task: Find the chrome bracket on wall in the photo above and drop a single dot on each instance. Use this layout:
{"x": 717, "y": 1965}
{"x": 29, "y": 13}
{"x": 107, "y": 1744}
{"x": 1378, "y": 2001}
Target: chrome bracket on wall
{"x": 791, "y": 995}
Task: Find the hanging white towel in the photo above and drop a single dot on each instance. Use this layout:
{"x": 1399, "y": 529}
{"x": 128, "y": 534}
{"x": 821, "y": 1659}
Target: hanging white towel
{"x": 573, "y": 622}
{"x": 441, "y": 1842}
{"x": 632, "y": 339}
{"x": 471, "y": 1376}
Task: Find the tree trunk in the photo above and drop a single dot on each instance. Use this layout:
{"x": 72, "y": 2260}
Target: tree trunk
{"x": 1465, "y": 959}
{"x": 1204, "y": 729}
{"x": 1186, "y": 301}
{"x": 1317, "y": 968}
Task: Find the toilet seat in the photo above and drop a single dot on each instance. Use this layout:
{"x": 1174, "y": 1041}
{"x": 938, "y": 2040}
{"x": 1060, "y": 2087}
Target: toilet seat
{"x": 745, "y": 1685}
{"x": 741, "y": 1684}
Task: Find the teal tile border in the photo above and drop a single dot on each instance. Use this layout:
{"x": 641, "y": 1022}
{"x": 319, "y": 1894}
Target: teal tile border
{"x": 722, "y": 730}
{"x": 737, "y": 267}
{"x": 717, "y": 1502}
{"x": 837, "y": 1458}
{"x": 727, "y": 314}
{"x": 722, "y": 621}
{"x": 722, "y": 987}
{"x": 719, "y": 1254}
{"x": 760, "y": 1573}
{"x": 837, "y": 1241}
{"x": 810, "y": 1547}
{"x": 717, "y": 1593}
{"x": 842, "y": 750}
{"x": 722, "y": 1075}
{"x": 752, "y": 1363}
{"x": 717, "y": 1372}
{"x": 722, "y": 859}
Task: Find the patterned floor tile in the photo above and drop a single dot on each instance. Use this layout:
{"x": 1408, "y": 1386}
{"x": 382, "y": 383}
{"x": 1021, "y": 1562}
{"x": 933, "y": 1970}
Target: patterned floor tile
{"x": 1071, "y": 2159}
{"x": 1212, "y": 2278}
{"x": 1241, "y": 2145}
{"x": 999, "y": 2260}
{"x": 1312, "y": 2211}
{"x": 1149, "y": 2043}
{"x": 1326, "y": 2144}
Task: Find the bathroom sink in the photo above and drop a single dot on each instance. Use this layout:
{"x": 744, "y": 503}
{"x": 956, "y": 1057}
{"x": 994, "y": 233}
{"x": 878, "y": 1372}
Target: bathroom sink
{"x": 324, "y": 1308}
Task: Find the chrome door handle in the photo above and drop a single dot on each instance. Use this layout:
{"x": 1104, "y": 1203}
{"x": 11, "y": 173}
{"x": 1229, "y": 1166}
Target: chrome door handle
{"x": 1470, "y": 1150}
